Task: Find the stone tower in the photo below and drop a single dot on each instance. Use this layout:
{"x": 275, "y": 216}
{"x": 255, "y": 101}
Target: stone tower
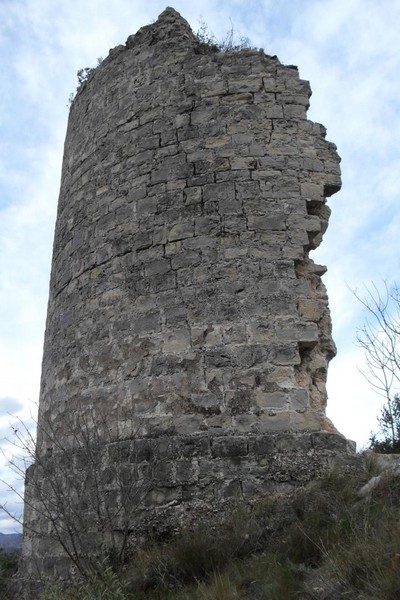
{"x": 188, "y": 331}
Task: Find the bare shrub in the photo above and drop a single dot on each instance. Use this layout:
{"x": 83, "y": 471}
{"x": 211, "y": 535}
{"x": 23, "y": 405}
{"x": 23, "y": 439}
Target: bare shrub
{"x": 380, "y": 339}
{"x": 83, "y": 489}
{"x": 231, "y": 42}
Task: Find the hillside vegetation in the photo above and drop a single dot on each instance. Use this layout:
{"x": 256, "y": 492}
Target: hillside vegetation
{"x": 323, "y": 542}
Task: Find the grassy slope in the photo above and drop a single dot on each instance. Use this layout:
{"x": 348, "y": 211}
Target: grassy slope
{"x": 321, "y": 543}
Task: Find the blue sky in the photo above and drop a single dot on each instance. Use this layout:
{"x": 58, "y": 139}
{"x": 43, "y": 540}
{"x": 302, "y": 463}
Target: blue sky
{"x": 350, "y": 52}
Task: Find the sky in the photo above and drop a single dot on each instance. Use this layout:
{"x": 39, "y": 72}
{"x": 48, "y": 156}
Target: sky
{"x": 350, "y": 52}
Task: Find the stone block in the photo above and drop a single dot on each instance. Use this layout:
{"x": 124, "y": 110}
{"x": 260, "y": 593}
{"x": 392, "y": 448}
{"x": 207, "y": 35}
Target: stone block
{"x": 230, "y": 206}
{"x": 274, "y": 421}
{"x": 238, "y": 99}
{"x": 234, "y": 333}
{"x": 142, "y": 450}
{"x": 262, "y": 445}
{"x": 289, "y": 442}
{"x": 202, "y": 115}
{"x": 260, "y": 486}
{"x": 156, "y": 267}
{"x": 239, "y": 401}
{"x": 188, "y": 424}
{"x": 193, "y": 195}
{"x": 312, "y": 191}
{"x": 145, "y": 206}
{"x": 175, "y": 316}
{"x": 206, "y": 402}
{"x": 228, "y": 489}
{"x": 310, "y": 310}
{"x": 190, "y": 447}
{"x": 176, "y": 342}
{"x": 207, "y": 225}
{"x": 215, "y": 192}
{"x": 146, "y": 323}
{"x": 307, "y": 333}
{"x": 206, "y": 336}
{"x": 162, "y": 282}
{"x": 328, "y": 441}
{"x": 243, "y": 83}
{"x": 217, "y": 141}
{"x": 305, "y": 421}
{"x": 220, "y": 423}
{"x": 181, "y": 231}
{"x": 218, "y": 357}
{"x": 265, "y": 223}
{"x": 267, "y": 400}
{"x": 163, "y": 472}
{"x": 229, "y": 447}
{"x": 245, "y": 423}
{"x": 186, "y": 471}
{"x": 144, "y": 240}
{"x": 259, "y": 333}
{"x": 299, "y": 399}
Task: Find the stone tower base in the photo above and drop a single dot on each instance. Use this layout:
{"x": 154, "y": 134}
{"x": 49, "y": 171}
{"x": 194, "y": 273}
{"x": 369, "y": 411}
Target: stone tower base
{"x": 152, "y": 487}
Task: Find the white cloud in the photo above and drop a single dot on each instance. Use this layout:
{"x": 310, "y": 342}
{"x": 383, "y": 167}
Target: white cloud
{"x": 10, "y": 406}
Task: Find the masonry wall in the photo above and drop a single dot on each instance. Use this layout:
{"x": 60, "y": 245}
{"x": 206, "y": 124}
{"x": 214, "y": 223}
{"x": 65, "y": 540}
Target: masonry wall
{"x": 183, "y": 302}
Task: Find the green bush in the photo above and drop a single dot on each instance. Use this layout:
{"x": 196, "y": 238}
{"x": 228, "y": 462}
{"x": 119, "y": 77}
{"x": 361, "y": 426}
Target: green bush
{"x": 108, "y": 587}
{"x": 8, "y": 567}
{"x": 388, "y": 440}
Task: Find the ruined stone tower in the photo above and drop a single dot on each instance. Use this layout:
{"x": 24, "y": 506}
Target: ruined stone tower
{"x": 188, "y": 331}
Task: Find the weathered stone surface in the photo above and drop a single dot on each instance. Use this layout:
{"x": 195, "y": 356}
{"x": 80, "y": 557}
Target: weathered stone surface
{"x": 184, "y": 309}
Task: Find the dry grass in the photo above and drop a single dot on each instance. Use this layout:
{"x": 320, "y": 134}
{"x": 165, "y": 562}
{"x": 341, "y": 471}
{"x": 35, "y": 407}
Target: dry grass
{"x": 323, "y": 542}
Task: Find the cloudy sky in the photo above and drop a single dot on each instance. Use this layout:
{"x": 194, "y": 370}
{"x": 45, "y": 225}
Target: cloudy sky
{"x": 350, "y": 52}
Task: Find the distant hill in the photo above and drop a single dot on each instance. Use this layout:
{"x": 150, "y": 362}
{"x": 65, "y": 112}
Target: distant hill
{"x": 10, "y": 541}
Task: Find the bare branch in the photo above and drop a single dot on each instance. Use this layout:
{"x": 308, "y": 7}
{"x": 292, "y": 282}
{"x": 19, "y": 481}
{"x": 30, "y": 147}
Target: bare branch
{"x": 380, "y": 339}
{"x": 67, "y": 496}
